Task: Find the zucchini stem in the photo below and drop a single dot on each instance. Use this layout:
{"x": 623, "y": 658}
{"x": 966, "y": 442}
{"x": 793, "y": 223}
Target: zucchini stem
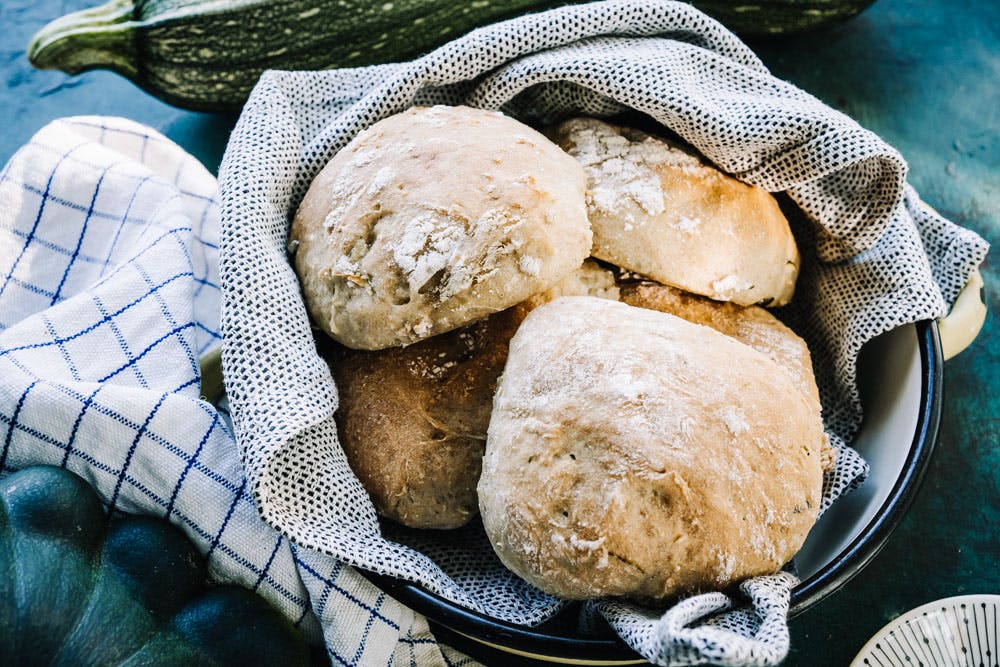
{"x": 101, "y": 36}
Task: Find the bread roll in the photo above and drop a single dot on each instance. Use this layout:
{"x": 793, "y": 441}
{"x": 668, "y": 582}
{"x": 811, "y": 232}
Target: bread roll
{"x": 750, "y": 325}
{"x": 412, "y": 421}
{"x": 590, "y": 279}
{"x": 660, "y": 211}
{"x": 632, "y": 453}
{"x": 434, "y": 218}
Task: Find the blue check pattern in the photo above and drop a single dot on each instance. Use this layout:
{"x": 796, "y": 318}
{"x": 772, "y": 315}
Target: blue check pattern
{"x": 109, "y": 296}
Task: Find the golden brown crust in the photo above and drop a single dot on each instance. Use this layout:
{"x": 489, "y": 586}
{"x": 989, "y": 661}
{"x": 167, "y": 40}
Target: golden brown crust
{"x": 632, "y": 453}
{"x": 412, "y": 421}
{"x": 657, "y": 209}
{"x": 434, "y": 218}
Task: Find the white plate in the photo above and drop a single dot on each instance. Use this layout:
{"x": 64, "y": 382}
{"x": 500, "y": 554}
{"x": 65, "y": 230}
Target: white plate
{"x": 899, "y": 377}
{"x": 953, "y": 632}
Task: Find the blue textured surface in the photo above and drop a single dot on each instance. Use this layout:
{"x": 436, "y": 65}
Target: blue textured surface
{"x": 925, "y": 76}
{"x": 31, "y": 97}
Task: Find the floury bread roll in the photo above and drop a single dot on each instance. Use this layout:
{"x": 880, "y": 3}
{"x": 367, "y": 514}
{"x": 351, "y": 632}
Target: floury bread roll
{"x": 751, "y": 325}
{"x": 660, "y": 211}
{"x": 434, "y": 218}
{"x": 632, "y": 453}
{"x": 412, "y": 421}
{"x": 590, "y": 279}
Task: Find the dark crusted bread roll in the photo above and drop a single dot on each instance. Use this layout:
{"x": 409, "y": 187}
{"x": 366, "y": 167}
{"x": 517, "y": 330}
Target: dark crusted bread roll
{"x": 413, "y": 420}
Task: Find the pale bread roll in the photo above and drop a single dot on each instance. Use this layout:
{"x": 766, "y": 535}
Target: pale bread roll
{"x": 590, "y": 279}
{"x": 751, "y": 325}
{"x": 660, "y": 211}
{"x": 632, "y": 453}
{"x": 412, "y": 421}
{"x": 434, "y": 218}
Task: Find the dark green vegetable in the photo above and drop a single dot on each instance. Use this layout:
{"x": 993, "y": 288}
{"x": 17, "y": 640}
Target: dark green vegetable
{"x": 75, "y": 592}
{"x": 208, "y": 54}
{"x": 780, "y": 17}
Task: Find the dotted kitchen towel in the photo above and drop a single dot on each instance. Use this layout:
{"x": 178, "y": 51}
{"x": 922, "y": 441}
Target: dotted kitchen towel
{"x": 109, "y": 294}
{"x": 875, "y": 260}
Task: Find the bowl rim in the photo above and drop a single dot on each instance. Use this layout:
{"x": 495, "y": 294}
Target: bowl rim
{"x": 842, "y": 568}
{"x": 855, "y": 556}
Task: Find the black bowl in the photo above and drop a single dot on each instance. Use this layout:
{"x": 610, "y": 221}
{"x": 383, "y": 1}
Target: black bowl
{"x": 900, "y": 376}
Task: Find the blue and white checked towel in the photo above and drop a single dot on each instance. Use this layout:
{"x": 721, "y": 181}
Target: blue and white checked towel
{"x": 108, "y": 296}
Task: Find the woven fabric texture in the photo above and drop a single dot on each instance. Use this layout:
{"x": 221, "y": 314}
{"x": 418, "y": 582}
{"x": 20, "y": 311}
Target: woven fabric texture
{"x": 875, "y": 259}
{"x": 109, "y": 293}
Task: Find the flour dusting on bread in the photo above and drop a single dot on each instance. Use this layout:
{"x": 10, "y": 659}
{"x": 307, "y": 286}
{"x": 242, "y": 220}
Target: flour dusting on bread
{"x": 633, "y": 453}
{"x": 659, "y": 210}
{"x": 477, "y": 214}
{"x": 620, "y": 435}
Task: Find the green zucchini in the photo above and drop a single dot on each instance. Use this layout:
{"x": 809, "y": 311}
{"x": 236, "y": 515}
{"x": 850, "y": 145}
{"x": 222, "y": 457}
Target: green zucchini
{"x": 780, "y": 17}
{"x": 207, "y": 54}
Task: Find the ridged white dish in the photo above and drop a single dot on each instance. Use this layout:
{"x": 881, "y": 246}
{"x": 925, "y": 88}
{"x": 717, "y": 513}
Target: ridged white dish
{"x": 952, "y": 632}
